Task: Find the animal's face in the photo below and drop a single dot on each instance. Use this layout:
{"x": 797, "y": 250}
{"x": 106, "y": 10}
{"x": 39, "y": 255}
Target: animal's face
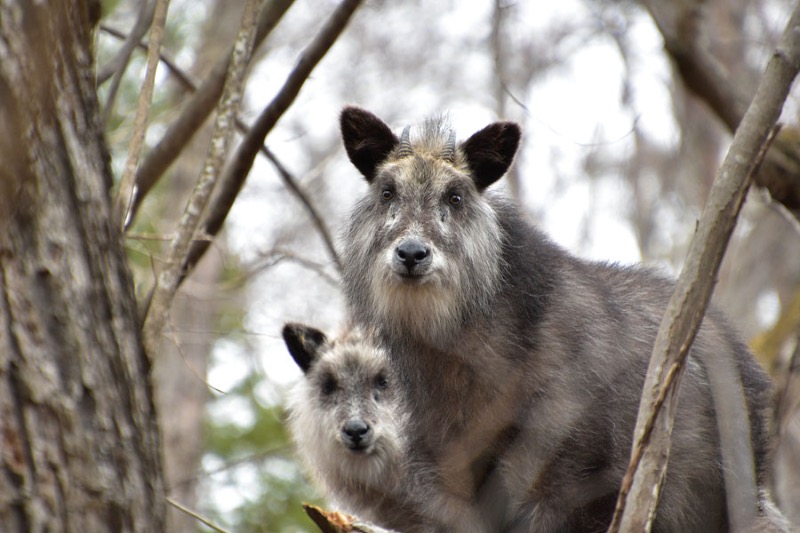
{"x": 352, "y": 391}
{"x": 348, "y": 412}
{"x": 424, "y": 243}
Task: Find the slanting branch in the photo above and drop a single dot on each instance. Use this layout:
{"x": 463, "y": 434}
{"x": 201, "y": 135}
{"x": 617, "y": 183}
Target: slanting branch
{"x": 237, "y": 170}
{"x": 142, "y": 111}
{"x": 167, "y": 280}
{"x": 194, "y": 113}
{"x": 681, "y": 23}
{"x": 220, "y": 205}
{"x": 641, "y": 486}
{"x": 119, "y": 64}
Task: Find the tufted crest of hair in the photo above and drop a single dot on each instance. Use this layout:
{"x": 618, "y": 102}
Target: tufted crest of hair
{"x": 349, "y": 378}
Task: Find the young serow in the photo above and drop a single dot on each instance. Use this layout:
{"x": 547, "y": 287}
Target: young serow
{"x": 350, "y": 424}
{"x": 522, "y": 365}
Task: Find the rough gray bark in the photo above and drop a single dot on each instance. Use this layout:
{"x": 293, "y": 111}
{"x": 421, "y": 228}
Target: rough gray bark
{"x": 77, "y": 423}
{"x": 684, "y": 313}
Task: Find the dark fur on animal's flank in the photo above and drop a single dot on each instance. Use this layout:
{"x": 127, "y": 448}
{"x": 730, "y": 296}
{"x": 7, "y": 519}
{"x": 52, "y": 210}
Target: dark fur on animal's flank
{"x": 497, "y": 332}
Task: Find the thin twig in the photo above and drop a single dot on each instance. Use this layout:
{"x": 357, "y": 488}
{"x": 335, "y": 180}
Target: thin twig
{"x": 280, "y": 451}
{"x": 167, "y": 280}
{"x": 221, "y": 204}
{"x": 173, "y": 67}
{"x": 242, "y": 162}
{"x": 193, "y": 514}
{"x": 195, "y": 112}
{"x": 253, "y": 142}
{"x": 119, "y": 64}
{"x": 142, "y": 110}
{"x": 695, "y": 284}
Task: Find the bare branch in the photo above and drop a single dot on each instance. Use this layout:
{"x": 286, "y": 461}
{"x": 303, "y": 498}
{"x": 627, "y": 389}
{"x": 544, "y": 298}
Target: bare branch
{"x": 119, "y": 64}
{"x": 167, "y": 281}
{"x": 694, "y": 287}
{"x": 195, "y": 112}
{"x": 173, "y": 67}
{"x": 253, "y": 142}
{"x": 680, "y": 23}
{"x": 245, "y": 154}
{"x": 203, "y": 520}
{"x": 221, "y": 203}
{"x": 142, "y": 110}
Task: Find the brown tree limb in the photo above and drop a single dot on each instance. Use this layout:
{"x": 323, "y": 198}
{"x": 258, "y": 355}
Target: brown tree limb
{"x": 222, "y": 202}
{"x": 195, "y": 112}
{"x": 125, "y": 191}
{"x": 241, "y": 163}
{"x": 182, "y": 77}
{"x": 253, "y": 142}
{"x": 167, "y": 280}
{"x": 645, "y": 475}
{"x": 681, "y": 23}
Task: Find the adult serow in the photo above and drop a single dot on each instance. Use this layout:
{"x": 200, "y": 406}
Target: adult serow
{"x": 523, "y": 364}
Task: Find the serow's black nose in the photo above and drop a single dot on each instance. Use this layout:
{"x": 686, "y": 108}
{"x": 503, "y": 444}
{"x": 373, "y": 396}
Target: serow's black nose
{"x": 356, "y": 434}
{"x": 412, "y": 253}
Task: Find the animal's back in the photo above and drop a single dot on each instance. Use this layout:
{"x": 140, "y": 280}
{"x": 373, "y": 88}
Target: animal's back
{"x": 594, "y": 342}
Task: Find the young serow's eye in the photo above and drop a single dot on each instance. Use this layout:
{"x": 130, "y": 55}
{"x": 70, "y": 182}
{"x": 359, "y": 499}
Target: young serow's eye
{"x": 329, "y": 385}
{"x": 387, "y": 195}
{"x": 381, "y": 382}
{"x": 455, "y": 200}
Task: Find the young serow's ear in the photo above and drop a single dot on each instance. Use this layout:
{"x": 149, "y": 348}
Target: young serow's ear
{"x": 304, "y": 343}
{"x": 367, "y": 139}
{"x": 490, "y": 152}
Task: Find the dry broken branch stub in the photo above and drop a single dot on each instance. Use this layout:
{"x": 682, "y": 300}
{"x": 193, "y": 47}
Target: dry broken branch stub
{"x": 336, "y": 522}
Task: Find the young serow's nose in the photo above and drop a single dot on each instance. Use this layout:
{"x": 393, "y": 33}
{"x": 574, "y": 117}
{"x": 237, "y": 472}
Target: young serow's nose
{"x": 356, "y": 433}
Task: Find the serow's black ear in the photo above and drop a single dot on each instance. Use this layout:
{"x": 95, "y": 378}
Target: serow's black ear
{"x": 304, "y": 343}
{"x": 367, "y": 139}
{"x": 490, "y": 152}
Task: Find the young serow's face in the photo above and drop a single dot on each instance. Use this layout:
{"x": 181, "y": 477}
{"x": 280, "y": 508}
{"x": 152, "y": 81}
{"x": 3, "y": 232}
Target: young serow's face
{"x": 349, "y": 401}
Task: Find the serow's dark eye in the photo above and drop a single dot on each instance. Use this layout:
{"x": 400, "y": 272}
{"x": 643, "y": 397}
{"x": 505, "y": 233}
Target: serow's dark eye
{"x": 381, "y": 382}
{"x": 455, "y": 200}
{"x": 329, "y": 386}
{"x": 387, "y": 195}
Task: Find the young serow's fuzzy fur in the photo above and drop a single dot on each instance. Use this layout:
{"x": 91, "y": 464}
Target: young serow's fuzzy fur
{"x": 522, "y": 365}
{"x": 347, "y": 418}
{"x": 350, "y": 425}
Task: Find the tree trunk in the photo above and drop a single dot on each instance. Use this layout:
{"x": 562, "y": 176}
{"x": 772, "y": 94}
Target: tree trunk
{"x": 78, "y": 438}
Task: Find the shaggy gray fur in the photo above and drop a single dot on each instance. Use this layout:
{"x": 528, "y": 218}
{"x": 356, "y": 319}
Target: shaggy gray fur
{"x": 522, "y": 365}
